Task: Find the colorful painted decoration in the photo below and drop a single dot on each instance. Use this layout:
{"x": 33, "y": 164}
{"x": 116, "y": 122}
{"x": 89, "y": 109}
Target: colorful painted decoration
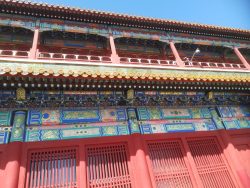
{"x": 175, "y": 113}
{"x": 133, "y": 126}
{"x": 113, "y": 114}
{"x": 165, "y": 126}
{"x": 216, "y": 118}
{"x": 80, "y": 116}
{"x": 152, "y": 113}
{"x": 17, "y": 133}
{"x": 231, "y": 124}
{"x": 4, "y": 137}
{"x": 224, "y": 111}
{"x": 60, "y": 124}
{"x": 5, "y": 118}
{"x": 234, "y": 111}
{"x": 43, "y": 117}
{"x": 76, "y": 131}
{"x": 240, "y": 111}
{"x": 200, "y": 113}
{"x": 243, "y": 123}
{"x": 56, "y": 117}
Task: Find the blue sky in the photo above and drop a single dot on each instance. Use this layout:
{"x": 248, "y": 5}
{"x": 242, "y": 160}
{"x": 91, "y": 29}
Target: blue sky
{"x": 228, "y": 13}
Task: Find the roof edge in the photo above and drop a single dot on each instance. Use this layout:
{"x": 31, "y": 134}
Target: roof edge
{"x": 122, "y": 18}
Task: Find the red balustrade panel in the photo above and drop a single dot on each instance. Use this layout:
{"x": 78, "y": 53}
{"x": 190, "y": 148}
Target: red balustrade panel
{"x": 107, "y": 166}
{"x": 169, "y": 166}
{"x": 210, "y": 163}
{"x": 52, "y": 168}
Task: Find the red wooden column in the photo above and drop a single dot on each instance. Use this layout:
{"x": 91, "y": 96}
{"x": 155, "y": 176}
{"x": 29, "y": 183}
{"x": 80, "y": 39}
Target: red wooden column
{"x": 178, "y": 60}
{"x": 12, "y": 168}
{"x": 231, "y": 151}
{"x": 141, "y": 170}
{"x": 241, "y": 57}
{"x": 114, "y": 56}
{"x": 164, "y": 54}
{"x": 14, "y": 151}
{"x": 33, "y": 50}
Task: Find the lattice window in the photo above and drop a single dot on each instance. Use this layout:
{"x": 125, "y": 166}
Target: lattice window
{"x": 52, "y": 168}
{"x": 210, "y": 164}
{"x": 168, "y": 164}
{"x": 107, "y": 166}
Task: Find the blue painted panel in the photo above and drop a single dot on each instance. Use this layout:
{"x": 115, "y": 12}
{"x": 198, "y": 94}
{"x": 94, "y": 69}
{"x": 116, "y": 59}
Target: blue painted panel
{"x": 181, "y": 127}
{"x": 224, "y": 111}
{"x": 5, "y": 118}
{"x": 143, "y": 113}
{"x": 146, "y": 129}
{"x": 231, "y": 124}
{"x": 4, "y": 137}
{"x": 80, "y": 116}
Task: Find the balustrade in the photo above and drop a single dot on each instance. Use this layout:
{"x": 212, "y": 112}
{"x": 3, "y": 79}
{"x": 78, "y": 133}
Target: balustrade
{"x": 73, "y": 57}
{"x": 214, "y": 65}
{"x": 123, "y": 60}
{"x": 14, "y": 53}
{"x": 142, "y": 61}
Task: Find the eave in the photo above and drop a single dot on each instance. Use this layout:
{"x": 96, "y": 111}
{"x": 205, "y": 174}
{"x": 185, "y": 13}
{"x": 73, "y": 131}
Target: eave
{"x": 92, "y": 16}
{"x": 81, "y": 70}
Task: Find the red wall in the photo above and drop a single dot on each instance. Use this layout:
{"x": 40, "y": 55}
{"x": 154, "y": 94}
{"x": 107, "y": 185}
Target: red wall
{"x": 200, "y": 159}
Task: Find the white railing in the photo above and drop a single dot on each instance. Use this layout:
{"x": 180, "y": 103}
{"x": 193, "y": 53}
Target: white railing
{"x": 73, "y": 57}
{"x": 214, "y": 65}
{"x": 130, "y": 60}
{"x": 14, "y": 53}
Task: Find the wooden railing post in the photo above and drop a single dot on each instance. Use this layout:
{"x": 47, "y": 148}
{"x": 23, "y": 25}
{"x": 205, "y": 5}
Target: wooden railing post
{"x": 178, "y": 60}
{"x": 34, "y": 49}
{"x": 241, "y": 57}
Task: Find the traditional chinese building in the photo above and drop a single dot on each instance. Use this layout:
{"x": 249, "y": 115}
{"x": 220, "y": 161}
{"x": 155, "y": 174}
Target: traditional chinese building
{"x": 96, "y": 99}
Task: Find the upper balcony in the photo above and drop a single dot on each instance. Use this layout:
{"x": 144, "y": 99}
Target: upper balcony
{"x": 90, "y": 48}
{"x": 15, "y": 42}
{"x": 204, "y": 56}
{"x": 246, "y": 53}
{"x": 144, "y": 52}
{"x": 73, "y": 47}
